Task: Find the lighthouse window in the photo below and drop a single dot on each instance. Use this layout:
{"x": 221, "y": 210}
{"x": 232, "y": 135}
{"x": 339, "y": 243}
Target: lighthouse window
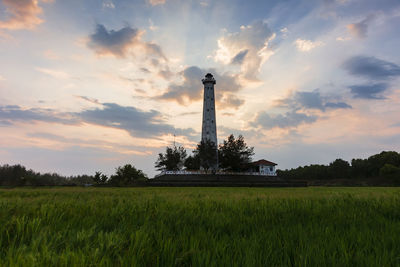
{"x": 212, "y": 121}
{"x": 208, "y": 109}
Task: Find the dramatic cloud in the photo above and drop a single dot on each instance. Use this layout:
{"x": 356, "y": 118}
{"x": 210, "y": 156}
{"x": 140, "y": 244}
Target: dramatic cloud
{"x": 301, "y": 106}
{"x": 248, "y": 48}
{"x": 360, "y": 29}
{"x": 191, "y": 89}
{"x": 146, "y": 124}
{"x": 288, "y": 120}
{"x": 118, "y": 43}
{"x": 21, "y": 14}
{"x": 138, "y": 123}
{"x": 306, "y": 45}
{"x": 369, "y": 91}
{"x": 113, "y": 42}
{"x": 238, "y": 59}
{"x": 310, "y": 100}
{"x": 371, "y": 68}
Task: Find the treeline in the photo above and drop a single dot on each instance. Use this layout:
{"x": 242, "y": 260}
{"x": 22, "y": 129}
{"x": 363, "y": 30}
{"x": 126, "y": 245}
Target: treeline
{"x": 383, "y": 165}
{"x": 17, "y": 175}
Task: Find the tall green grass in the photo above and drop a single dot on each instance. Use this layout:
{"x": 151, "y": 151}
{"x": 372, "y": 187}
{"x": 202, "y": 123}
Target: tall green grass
{"x": 200, "y": 227}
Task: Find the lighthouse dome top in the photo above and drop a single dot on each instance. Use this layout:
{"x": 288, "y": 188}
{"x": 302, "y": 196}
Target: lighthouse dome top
{"x": 208, "y": 79}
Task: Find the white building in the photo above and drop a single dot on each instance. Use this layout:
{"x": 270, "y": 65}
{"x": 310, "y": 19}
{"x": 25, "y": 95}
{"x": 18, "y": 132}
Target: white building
{"x": 264, "y": 167}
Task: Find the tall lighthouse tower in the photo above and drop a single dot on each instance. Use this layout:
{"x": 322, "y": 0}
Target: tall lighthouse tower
{"x": 209, "y": 128}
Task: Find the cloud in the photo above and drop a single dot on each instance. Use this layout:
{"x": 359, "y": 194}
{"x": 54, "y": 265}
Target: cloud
{"x": 371, "y": 68}
{"x": 301, "y": 108}
{"x": 5, "y": 123}
{"x": 192, "y": 88}
{"x": 54, "y": 73}
{"x": 306, "y": 45}
{"x": 108, "y": 4}
{"x": 21, "y": 14}
{"x": 288, "y": 120}
{"x": 238, "y": 59}
{"x": 16, "y": 113}
{"x": 113, "y": 42}
{"x": 248, "y": 48}
{"x": 337, "y": 105}
{"x": 360, "y": 29}
{"x": 310, "y": 100}
{"x": 138, "y": 123}
{"x": 369, "y": 91}
{"x": 119, "y": 42}
{"x": 156, "y": 2}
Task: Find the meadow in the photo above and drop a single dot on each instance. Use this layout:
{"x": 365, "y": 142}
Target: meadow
{"x": 315, "y": 226}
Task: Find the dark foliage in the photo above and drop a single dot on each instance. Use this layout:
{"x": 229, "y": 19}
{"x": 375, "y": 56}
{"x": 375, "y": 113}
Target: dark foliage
{"x": 206, "y": 151}
{"x": 18, "y": 175}
{"x": 193, "y": 162}
{"x": 234, "y": 154}
{"x": 100, "y": 178}
{"x": 127, "y": 175}
{"x": 172, "y": 160}
{"x": 385, "y": 165}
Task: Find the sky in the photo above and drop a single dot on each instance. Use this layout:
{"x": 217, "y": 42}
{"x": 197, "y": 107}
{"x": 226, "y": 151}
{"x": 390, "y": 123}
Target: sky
{"x": 91, "y": 85}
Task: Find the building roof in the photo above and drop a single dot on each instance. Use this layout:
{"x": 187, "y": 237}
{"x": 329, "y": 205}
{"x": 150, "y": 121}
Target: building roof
{"x": 264, "y": 162}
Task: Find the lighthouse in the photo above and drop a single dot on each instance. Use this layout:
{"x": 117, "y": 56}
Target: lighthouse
{"x": 209, "y": 125}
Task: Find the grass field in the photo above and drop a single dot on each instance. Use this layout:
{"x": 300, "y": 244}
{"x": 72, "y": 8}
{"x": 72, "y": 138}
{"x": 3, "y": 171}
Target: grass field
{"x": 200, "y": 227}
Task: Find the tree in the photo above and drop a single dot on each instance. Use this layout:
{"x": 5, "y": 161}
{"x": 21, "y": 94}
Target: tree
{"x": 389, "y": 171}
{"x": 172, "y": 160}
{"x": 127, "y": 175}
{"x": 100, "y": 178}
{"x": 234, "y": 154}
{"x": 192, "y": 162}
{"x": 339, "y": 169}
{"x": 206, "y": 152}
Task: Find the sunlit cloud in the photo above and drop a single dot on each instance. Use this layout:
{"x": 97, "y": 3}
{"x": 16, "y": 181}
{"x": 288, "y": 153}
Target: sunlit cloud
{"x": 307, "y": 45}
{"x": 22, "y": 14}
{"x": 54, "y": 73}
{"x": 247, "y": 48}
{"x": 191, "y": 89}
{"x": 156, "y": 2}
{"x": 50, "y": 54}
